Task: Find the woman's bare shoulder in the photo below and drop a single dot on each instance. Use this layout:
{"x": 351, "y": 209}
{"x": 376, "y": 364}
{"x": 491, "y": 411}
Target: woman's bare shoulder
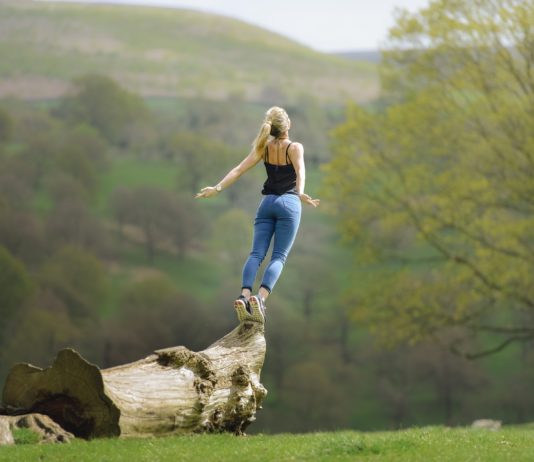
{"x": 296, "y": 147}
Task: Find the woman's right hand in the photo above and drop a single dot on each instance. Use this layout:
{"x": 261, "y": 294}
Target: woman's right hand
{"x": 208, "y": 191}
{"x": 308, "y": 200}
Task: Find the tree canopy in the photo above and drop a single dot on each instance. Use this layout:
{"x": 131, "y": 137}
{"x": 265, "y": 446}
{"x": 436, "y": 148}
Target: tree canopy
{"x": 437, "y": 189}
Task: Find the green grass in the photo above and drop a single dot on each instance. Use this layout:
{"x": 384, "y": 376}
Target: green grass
{"x": 413, "y": 445}
{"x": 24, "y": 436}
{"x": 130, "y": 172}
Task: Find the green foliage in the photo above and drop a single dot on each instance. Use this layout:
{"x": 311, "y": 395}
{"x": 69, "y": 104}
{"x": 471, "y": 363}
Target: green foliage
{"x": 78, "y": 278}
{"x": 436, "y": 444}
{"x": 439, "y": 184}
{"x": 184, "y": 295}
{"x": 160, "y": 215}
{"x": 15, "y": 286}
{"x": 152, "y": 312}
{"x": 6, "y": 126}
{"x": 232, "y": 239}
{"x": 199, "y": 159}
{"x": 105, "y": 105}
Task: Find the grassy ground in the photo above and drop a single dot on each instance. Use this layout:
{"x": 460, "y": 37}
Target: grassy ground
{"x": 419, "y": 444}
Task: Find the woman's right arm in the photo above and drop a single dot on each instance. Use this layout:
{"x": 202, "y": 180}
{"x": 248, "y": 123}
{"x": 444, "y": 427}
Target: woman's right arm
{"x": 232, "y": 176}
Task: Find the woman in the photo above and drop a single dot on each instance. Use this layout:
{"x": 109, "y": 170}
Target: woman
{"x": 279, "y": 211}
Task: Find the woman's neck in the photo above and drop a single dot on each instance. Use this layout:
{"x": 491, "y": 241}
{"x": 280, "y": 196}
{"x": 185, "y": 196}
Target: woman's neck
{"x": 283, "y": 136}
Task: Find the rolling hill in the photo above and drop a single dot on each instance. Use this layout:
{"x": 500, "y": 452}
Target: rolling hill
{"x": 165, "y": 52}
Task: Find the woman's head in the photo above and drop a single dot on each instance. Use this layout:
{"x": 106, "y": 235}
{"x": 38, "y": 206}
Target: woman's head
{"x": 278, "y": 119}
{"x": 275, "y": 123}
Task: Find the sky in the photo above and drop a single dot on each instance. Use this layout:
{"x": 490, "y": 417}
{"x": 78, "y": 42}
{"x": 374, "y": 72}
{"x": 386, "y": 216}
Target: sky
{"x": 325, "y": 25}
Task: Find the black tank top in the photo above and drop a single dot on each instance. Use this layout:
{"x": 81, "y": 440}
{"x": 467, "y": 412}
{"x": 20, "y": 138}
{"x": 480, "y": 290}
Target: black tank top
{"x": 281, "y": 179}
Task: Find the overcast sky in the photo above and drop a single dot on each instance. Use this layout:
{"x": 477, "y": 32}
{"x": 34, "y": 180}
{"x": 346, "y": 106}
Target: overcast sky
{"x": 326, "y": 25}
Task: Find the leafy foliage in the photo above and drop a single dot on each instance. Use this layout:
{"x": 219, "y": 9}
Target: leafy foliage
{"x": 15, "y": 286}
{"x": 103, "y": 104}
{"x": 443, "y": 177}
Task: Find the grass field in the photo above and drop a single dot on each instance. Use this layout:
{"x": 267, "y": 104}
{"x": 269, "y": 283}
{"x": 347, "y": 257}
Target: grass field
{"x": 428, "y": 444}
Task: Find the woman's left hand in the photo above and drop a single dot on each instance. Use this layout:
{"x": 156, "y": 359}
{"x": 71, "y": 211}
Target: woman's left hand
{"x": 208, "y": 191}
{"x": 308, "y": 200}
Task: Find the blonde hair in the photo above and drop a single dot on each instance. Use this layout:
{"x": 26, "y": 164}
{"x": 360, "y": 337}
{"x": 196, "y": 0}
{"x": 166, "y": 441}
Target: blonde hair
{"x": 275, "y": 123}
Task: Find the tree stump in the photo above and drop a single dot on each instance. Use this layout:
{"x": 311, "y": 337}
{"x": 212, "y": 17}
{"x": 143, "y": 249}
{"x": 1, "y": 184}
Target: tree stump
{"x": 173, "y": 390}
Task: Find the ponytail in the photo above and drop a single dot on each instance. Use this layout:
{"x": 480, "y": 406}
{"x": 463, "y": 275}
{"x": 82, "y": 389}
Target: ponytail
{"x": 261, "y": 138}
{"x": 275, "y": 123}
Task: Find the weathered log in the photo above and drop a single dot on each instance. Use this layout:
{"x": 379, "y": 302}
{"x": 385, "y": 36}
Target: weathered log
{"x": 6, "y": 437}
{"x": 173, "y": 390}
{"x": 43, "y": 426}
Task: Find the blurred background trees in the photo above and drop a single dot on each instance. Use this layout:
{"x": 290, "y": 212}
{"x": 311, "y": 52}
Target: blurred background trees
{"x": 103, "y": 248}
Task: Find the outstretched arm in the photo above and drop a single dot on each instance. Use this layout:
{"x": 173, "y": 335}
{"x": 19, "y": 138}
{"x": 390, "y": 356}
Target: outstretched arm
{"x": 232, "y": 176}
{"x": 296, "y": 154}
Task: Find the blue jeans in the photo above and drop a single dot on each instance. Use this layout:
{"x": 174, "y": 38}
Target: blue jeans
{"x": 278, "y": 216}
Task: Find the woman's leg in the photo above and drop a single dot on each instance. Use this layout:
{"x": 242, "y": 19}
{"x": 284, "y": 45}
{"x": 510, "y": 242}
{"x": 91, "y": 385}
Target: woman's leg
{"x": 285, "y": 232}
{"x": 264, "y": 226}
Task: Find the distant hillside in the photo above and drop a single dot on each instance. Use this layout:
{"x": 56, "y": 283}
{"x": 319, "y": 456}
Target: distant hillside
{"x": 165, "y": 52}
{"x": 366, "y": 56}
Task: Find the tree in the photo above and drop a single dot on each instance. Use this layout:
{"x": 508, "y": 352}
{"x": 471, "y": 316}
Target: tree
{"x": 41, "y": 143}
{"x": 199, "y": 159}
{"x": 166, "y": 221}
{"x": 147, "y": 208}
{"x": 103, "y": 104}
{"x": 437, "y": 190}
{"x": 6, "y": 126}
{"x": 39, "y": 330}
{"x": 15, "y": 286}
{"x": 137, "y": 328}
{"x": 81, "y": 155}
{"x": 78, "y": 279}
{"x": 22, "y": 234}
{"x": 71, "y": 223}
{"x": 184, "y": 223}
{"x": 232, "y": 238}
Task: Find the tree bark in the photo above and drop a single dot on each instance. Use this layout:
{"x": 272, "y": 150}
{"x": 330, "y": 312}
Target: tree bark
{"x": 173, "y": 390}
{"x": 43, "y": 426}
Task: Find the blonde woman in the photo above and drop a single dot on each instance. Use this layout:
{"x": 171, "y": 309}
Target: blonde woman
{"x": 279, "y": 211}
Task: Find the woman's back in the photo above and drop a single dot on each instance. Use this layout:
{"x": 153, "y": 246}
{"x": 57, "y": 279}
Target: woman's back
{"x": 277, "y": 152}
{"x": 281, "y": 175}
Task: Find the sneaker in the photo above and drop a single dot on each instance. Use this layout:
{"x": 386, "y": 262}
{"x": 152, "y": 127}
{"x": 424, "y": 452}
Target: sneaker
{"x": 257, "y": 303}
{"x": 242, "y": 306}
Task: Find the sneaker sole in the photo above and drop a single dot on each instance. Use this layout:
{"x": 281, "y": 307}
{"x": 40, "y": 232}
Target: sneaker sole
{"x": 258, "y": 313}
{"x": 241, "y": 309}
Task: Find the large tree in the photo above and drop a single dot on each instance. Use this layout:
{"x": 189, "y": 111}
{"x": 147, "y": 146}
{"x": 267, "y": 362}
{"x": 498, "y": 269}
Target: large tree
{"x": 102, "y": 103}
{"x": 437, "y": 189}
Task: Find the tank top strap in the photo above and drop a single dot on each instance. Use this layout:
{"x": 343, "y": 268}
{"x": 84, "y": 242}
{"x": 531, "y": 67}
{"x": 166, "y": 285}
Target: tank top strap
{"x": 288, "y": 160}
{"x": 266, "y": 154}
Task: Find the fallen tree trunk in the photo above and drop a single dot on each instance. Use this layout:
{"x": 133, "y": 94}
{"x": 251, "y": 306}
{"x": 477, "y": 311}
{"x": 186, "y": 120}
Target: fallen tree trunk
{"x": 173, "y": 390}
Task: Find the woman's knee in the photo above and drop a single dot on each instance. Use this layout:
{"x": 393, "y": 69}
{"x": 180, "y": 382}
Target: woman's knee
{"x": 279, "y": 256}
{"x": 258, "y": 254}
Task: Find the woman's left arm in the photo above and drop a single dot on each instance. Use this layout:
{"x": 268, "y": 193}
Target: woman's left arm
{"x": 296, "y": 154}
{"x": 232, "y": 176}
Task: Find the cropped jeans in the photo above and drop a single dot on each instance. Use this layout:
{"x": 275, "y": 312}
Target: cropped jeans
{"x": 278, "y": 216}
